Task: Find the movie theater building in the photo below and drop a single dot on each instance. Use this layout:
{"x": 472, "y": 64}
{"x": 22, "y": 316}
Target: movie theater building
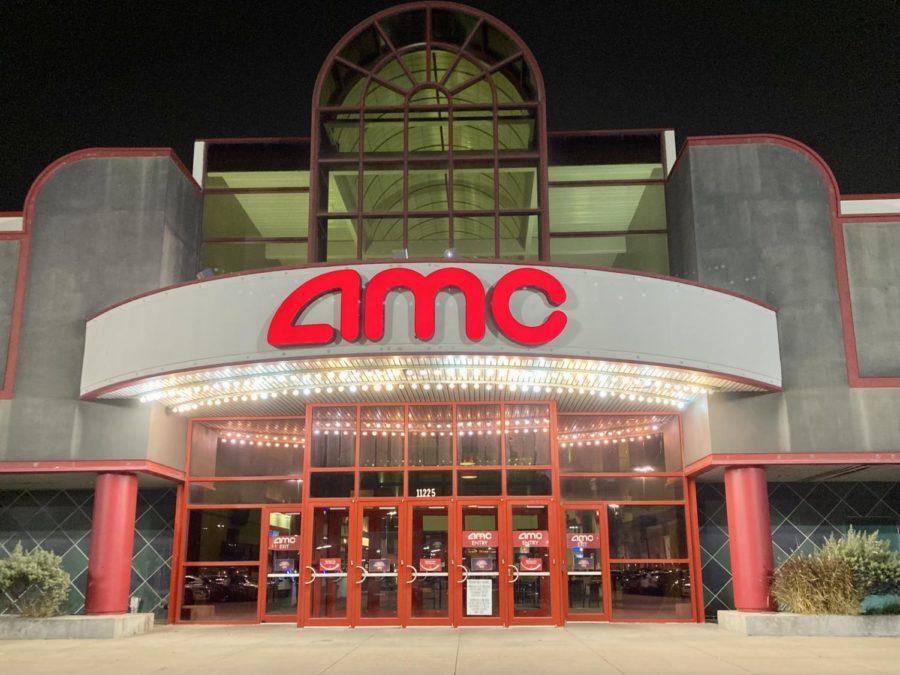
{"x": 435, "y": 365}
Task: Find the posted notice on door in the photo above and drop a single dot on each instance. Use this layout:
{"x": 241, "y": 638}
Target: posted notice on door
{"x": 479, "y": 597}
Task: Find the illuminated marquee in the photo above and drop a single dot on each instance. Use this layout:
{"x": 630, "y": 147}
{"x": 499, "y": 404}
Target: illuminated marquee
{"x": 285, "y": 332}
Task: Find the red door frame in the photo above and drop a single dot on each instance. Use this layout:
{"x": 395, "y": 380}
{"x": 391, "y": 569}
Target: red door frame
{"x": 457, "y": 555}
{"x": 354, "y": 551}
{"x": 262, "y": 616}
{"x": 405, "y": 577}
{"x": 600, "y": 509}
{"x": 506, "y": 540}
{"x": 304, "y": 617}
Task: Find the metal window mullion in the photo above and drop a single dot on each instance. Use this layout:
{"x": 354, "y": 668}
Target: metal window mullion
{"x": 460, "y": 51}
{"x": 451, "y": 173}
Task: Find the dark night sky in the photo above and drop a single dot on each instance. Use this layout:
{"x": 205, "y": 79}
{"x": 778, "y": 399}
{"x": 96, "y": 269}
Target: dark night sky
{"x": 75, "y": 75}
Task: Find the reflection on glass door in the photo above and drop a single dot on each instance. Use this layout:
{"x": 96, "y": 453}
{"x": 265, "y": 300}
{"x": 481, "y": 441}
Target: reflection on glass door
{"x": 584, "y": 568}
{"x": 378, "y": 562}
{"x": 480, "y": 565}
{"x": 282, "y": 565}
{"x": 429, "y": 564}
{"x": 528, "y": 570}
{"x": 329, "y": 565}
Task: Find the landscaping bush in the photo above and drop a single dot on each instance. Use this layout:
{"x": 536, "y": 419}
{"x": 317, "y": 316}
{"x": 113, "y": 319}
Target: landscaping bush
{"x": 33, "y": 583}
{"x": 814, "y": 584}
{"x": 876, "y": 568}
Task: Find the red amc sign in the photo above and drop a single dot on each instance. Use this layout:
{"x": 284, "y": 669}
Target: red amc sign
{"x": 284, "y": 331}
{"x": 532, "y": 538}
{"x": 284, "y": 542}
{"x": 583, "y": 540}
{"x": 481, "y": 539}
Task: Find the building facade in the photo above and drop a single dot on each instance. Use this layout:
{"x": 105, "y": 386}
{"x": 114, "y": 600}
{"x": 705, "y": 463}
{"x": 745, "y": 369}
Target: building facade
{"x": 434, "y": 364}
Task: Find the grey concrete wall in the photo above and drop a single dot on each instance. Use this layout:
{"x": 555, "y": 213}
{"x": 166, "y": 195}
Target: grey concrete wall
{"x": 759, "y": 223}
{"x": 875, "y": 295}
{"x": 9, "y": 265}
{"x": 104, "y": 229}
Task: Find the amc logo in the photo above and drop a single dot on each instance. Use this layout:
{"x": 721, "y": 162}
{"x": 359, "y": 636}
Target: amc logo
{"x": 362, "y": 310}
{"x": 480, "y": 536}
{"x": 285, "y": 541}
{"x": 581, "y": 539}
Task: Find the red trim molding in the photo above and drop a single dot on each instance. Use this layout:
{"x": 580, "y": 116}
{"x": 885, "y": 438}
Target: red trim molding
{"x": 762, "y": 459}
{"x": 94, "y": 466}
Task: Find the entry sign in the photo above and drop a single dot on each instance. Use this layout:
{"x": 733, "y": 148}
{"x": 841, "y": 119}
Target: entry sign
{"x": 583, "y": 540}
{"x": 479, "y": 599}
{"x": 430, "y": 564}
{"x": 481, "y": 539}
{"x": 284, "y": 542}
{"x": 330, "y": 564}
{"x": 531, "y": 538}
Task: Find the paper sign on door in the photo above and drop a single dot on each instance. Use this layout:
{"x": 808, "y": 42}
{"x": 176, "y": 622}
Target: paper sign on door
{"x": 329, "y": 564}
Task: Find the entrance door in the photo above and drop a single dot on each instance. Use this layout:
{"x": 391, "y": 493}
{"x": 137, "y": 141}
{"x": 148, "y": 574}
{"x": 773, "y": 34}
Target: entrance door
{"x": 531, "y": 567}
{"x": 583, "y": 564}
{"x": 428, "y": 569}
{"x": 376, "y": 563}
{"x": 326, "y": 572}
{"x": 479, "y": 589}
{"x": 281, "y": 562}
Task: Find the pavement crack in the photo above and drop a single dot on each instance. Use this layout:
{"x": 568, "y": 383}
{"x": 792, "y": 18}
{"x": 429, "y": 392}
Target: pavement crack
{"x": 332, "y": 665}
{"x": 458, "y": 645}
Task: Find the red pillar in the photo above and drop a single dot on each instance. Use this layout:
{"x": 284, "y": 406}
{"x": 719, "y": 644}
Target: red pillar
{"x": 112, "y": 539}
{"x": 749, "y": 537}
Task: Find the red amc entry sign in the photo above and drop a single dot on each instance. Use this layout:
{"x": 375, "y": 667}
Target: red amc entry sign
{"x": 481, "y": 539}
{"x": 532, "y": 538}
{"x": 583, "y": 540}
{"x": 284, "y": 542}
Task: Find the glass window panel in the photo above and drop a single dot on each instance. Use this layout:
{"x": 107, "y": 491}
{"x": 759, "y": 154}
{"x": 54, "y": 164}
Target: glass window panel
{"x": 257, "y": 179}
{"x": 428, "y": 189}
{"x": 333, "y": 436}
{"x": 518, "y": 188}
{"x": 340, "y": 240}
{"x": 283, "y": 564}
{"x": 330, "y": 533}
{"x": 478, "y": 435}
{"x": 478, "y": 483}
{"x": 381, "y": 484}
{"x": 428, "y": 237}
{"x": 430, "y": 435}
{"x": 527, "y": 435}
{"x": 647, "y": 532}
{"x": 382, "y": 236}
{"x": 220, "y": 593}
{"x": 651, "y": 591}
{"x": 482, "y": 561}
{"x": 328, "y": 484}
{"x": 583, "y": 553}
{"x": 340, "y": 133}
{"x": 381, "y": 436}
{"x": 515, "y": 130}
{"x": 430, "y": 484}
{"x": 277, "y": 214}
{"x": 618, "y": 444}
{"x": 383, "y": 191}
{"x": 251, "y": 255}
{"x": 605, "y": 172}
{"x": 245, "y": 492}
{"x": 383, "y": 131}
{"x": 406, "y": 28}
{"x": 607, "y": 208}
{"x": 473, "y": 130}
{"x": 622, "y": 489}
{"x": 519, "y": 237}
{"x": 473, "y": 188}
{"x": 641, "y": 252}
{"x": 247, "y": 448}
{"x": 223, "y": 534}
{"x": 429, "y": 130}
{"x": 474, "y": 237}
{"x": 527, "y": 482}
{"x": 342, "y": 194}
{"x": 379, "y": 557}
{"x": 430, "y": 547}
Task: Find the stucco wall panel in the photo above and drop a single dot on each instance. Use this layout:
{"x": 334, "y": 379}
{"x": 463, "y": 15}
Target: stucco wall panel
{"x": 9, "y": 266}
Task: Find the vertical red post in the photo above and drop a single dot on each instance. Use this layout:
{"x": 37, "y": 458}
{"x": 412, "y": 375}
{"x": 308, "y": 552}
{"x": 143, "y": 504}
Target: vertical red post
{"x": 112, "y": 540}
{"x": 749, "y": 537}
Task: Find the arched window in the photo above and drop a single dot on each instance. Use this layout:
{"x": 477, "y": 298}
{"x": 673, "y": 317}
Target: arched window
{"x": 429, "y": 135}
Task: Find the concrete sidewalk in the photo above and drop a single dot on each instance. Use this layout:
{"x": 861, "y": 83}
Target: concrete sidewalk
{"x": 594, "y": 649}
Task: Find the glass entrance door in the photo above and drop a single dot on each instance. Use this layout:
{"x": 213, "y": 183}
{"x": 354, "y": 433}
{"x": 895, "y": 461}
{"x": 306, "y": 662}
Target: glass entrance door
{"x": 479, "y": 587}
{"x": 583, "y": 565}
{"x": 281, "y": 543}
{"x": 328, "y": 567}
{"x": 531, "y": 565}
{"x": 376, "y": 564}
{"x": 428, "y": 565}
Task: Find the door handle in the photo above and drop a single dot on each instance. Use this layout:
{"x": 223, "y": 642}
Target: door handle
{"x": 415, "y": 574}
{"x": 364, "y": 576}
{"x": 514, "y": 577}
{"x": 312, "y": 575}
{"x": 465, "y": 574}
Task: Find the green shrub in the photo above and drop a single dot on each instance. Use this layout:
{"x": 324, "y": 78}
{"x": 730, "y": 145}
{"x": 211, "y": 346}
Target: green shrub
{"x": 815, "y": 584}
{"x": 34, "y": 583}
{"x": 876, "y": 568}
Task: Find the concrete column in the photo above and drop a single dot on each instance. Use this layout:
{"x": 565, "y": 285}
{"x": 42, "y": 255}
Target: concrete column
{"x": 749, "y": 537}
{"x": 112, "y": 540}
